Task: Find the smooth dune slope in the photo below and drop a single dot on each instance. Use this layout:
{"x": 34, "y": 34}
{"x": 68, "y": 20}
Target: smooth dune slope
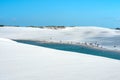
{"x": 26, "y": 62}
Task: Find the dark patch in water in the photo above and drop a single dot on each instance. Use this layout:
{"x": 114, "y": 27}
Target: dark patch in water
{"x": 75, "y": 48}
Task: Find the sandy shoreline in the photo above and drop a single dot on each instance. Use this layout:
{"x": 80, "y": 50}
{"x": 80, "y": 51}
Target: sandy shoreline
{"x": 84, "y": 45}
{"x": 77, "y": 44}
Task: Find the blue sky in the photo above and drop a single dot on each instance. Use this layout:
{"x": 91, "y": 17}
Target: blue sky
{"x": 104, "y": 13}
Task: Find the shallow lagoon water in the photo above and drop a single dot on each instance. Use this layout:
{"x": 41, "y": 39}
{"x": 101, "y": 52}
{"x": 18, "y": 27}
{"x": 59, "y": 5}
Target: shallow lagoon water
{"x": 75, "y": 48}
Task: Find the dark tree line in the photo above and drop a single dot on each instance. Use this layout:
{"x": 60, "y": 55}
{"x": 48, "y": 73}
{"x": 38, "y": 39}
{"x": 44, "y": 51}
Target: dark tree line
{"x": 117, "y": 28}
{"x": 1, "y": 25}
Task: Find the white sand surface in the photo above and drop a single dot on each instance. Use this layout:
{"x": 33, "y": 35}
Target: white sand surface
{"x": 26, "y": 62}
{"x": 107, "y": 38}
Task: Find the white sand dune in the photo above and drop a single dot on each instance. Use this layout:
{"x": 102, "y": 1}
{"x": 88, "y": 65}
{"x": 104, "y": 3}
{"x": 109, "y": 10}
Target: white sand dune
{"x": 107, "y": 38}
{"x": 26, "y": 62}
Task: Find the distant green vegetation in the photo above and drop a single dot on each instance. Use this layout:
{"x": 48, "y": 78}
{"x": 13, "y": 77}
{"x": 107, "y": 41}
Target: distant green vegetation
{"x": 117, "y": 28}
{"x": 1, "y": 25}
{"x": 49, "y": 27}
{"x": 36, "y": 26}
{"x": 55, "y": 27}
{"x": 9, "y": 25}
